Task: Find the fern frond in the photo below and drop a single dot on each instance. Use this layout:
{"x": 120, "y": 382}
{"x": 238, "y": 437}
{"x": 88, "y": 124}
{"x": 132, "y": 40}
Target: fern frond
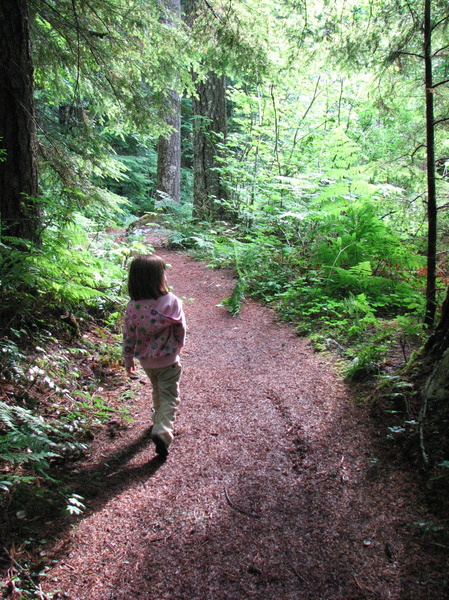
{"x": 28, "y": 440}
{"x": 234, "y": 302}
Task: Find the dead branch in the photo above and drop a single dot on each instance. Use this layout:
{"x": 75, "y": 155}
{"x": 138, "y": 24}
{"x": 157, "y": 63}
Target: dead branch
{"x": 238, "y": 509}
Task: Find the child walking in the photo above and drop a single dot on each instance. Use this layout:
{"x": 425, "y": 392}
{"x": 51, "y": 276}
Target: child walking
{"x": 154, "y": 333}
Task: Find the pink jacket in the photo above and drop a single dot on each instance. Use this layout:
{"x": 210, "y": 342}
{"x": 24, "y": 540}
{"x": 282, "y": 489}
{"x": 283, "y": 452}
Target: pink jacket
{"x": 154, "y": 331}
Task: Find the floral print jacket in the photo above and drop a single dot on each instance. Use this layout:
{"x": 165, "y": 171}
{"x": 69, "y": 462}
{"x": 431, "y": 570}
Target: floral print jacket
{"x": 154, "y": 331}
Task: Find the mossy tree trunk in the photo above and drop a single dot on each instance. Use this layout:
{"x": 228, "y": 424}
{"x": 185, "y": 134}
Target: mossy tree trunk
{"x": 431, "y": 377}
{"x": 438, "y": 343}
{"x": 18, "y": 169}
{"x": 169, "y": 151}
{"x": 210, "y": 128}
{"x": 169, "y": 146}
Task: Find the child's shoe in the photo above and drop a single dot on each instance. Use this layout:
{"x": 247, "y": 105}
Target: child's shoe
{"x": 161, "y": 446}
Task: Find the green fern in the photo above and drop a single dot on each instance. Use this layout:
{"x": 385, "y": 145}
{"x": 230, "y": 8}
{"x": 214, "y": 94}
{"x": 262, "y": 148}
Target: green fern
{"x": 11, "y": 359}
{"x": 234, "y": 302}
{"x": 244, "y": 258}
{"x": 27, "y": 440}
{"x": 75, "y": 267}
{"x": 26, "y": 437}
{"x": 362, "y": 269}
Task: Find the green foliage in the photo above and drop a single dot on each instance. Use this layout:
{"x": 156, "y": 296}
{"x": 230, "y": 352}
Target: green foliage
{"x": 25, "y": 438}
{"x": 323, "y": 165}
{"x": 234, "y": 302}
{"x": 102, "y": 56}
{"x": 76, "y": 268}
{"x": 244, "y": 259}
{"x": 339, "y": 271}
{"x": 11, "y": 358}
{"x": 137, "y": 158}
{"x": 366, "y": 363}
{"x": 87, "y": 268}
{"x": 75, "y": 506}
{"x": 57, "y": 398}
{"x": 101, "y": 71}
{"x": 28, "y": 441}
{"x": 321, "y": 231}
{"x": 332, "y": 224}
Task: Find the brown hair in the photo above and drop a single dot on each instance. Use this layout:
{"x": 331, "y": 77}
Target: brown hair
{"x": 146, "y": 278}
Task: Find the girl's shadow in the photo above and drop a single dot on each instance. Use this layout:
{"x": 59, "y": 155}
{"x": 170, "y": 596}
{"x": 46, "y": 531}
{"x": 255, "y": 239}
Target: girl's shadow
{"x": 104, "y": 480}
{"x": 96, "y": 485}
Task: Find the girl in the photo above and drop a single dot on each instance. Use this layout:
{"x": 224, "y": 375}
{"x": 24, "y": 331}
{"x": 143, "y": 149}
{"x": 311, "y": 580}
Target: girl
{"x": 154, "y": 332}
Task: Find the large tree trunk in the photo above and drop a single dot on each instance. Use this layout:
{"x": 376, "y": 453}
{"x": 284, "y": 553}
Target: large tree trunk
{"x": 431, "y": 368}
{"x": 169, "y": 151}
{"x": 210, "y": 128}
{"x": 18, "y": 172}
{"x": 169, "y": 147}
{"x": 438, "y": 342}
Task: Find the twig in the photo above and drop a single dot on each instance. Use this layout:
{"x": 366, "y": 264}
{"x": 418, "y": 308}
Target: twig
{"x": 298, "y": 575}
{"x": 23, "y": 572}
{"x": 441, "y": 121}
{"x": 238, "y": 509}
{"x": 163, "y": 538}
{"x": 437, "y": 544}
{"x": 421, "y": 420}
{"x": 211, "y": 8}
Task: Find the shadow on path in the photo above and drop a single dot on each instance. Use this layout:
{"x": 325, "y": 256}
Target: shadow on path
{"x": 103, "y": 480}
{"x": 97, "y": 484}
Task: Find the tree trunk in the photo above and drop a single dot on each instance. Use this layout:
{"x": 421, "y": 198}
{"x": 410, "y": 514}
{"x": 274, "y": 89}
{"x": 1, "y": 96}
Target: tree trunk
{"x": 18, "y": 172}
{"x": 210, "y": 127}
{"x": 169, "y": 147}
{"x": 431, "y": 368}
{"x": 169, "y": 151}
{"x": 431, "y": 188}
{"x": 438, "y": 342}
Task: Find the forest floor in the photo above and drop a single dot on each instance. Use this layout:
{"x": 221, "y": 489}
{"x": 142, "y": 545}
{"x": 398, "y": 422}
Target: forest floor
{"x": 279, "y": 484}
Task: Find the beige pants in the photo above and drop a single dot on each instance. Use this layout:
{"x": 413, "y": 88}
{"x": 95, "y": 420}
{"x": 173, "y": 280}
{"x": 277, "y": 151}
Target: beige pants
{"x": 165, "y": 384}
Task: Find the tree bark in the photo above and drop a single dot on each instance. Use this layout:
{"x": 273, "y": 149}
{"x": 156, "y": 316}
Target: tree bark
{"x": 431, "y": 187}
{"x": 169, "y": 147}
{"x": 431, "y": 377}
{"x": 210, "y": 128}
{"x": 18, "y": 172}
{"x": 438, "y": 342}
{"x": 169, "y": 151}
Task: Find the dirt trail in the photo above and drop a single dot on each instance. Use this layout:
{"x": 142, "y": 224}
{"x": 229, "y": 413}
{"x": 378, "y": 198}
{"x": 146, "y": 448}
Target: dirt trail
{"x": 273, "y": 487}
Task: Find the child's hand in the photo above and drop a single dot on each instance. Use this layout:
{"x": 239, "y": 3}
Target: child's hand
{"x": 131, "y": 369}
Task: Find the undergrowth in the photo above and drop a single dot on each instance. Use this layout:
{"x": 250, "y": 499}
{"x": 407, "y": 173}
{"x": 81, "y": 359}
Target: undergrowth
{"x": 365, "y": 306}
{"x": 356, "y": 293}
{"x": 59, "y": 339}
{"x": 54, "y": 405}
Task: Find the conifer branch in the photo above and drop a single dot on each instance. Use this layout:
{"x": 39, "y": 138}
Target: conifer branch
{"x": 440, "y": 83}
{"x": 211, "y": 8}
{"x": 441, "y": 121}
{"x": 439, "y": 22}
{"x": 411, "y": 12}
{"x": 414, "y": 54}
{"x": 440, "y": 50}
